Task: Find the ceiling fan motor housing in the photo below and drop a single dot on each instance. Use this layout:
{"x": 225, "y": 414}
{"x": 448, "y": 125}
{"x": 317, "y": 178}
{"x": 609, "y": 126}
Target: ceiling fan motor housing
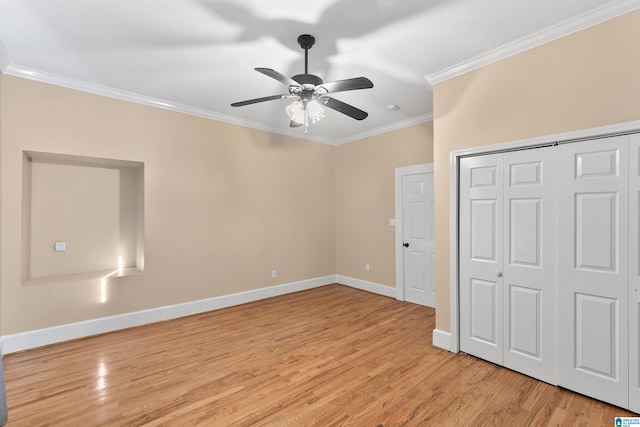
{"x": 307, "y": 79}
{"x": 306, "y": 41}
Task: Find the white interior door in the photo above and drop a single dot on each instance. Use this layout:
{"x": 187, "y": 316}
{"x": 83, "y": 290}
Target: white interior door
{"x": 634, "y": 273}
{"x": 592, "y": 269}
{"x": 530, "y": 262}
{"x": 481, "y": 237}
{"x": 418, "y": 239}
{"x": 507, "y": 260}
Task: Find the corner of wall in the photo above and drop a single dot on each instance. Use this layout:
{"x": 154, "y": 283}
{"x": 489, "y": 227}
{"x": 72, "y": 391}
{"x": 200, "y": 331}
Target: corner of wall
{"x": 4, "y": 58}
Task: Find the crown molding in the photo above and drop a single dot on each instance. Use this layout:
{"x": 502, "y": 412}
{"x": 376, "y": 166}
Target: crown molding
{"x": 565, "y": 28}
{"x": 387, "y": 128}
{"x": 4, "y": 58}
{"x": 96, "y": 89}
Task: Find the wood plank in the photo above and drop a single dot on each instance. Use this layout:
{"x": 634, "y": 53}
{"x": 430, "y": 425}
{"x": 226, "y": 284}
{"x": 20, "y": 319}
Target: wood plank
{"x": 331, "y": 356}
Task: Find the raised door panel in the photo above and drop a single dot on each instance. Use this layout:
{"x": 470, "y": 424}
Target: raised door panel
{"x": 530, "y": 262}
{"x": 484, "y": 327}
{"x": 481, "y": 254}
{"x": 525, "y": 231}
{"x": 525, "y": 321}
{"x": 596, "y": 224}
{"x": 483, "y": 226}
{"x": 597, "y": 336}
{"x": 593, "y": 269}
{"x": 419, "y": 264}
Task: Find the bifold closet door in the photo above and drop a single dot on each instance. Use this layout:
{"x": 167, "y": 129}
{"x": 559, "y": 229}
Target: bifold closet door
{"x": 593, "y": 231}
{"x": 507, "y": 260}
{"x": 634, "y": 273}
{"x": 481, "y": 239}
{"x": 530, "y": 262}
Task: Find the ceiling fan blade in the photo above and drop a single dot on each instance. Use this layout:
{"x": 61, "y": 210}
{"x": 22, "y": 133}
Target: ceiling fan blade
{"x": 256, "y": 100}
{"x": 347, "y": 109}
{"x": 276, "y": 75}
{"x": 347, "y": 84}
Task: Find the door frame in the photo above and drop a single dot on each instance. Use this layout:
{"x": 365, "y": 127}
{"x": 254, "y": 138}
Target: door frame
{"x": 453, "y": 343}
{"x": 400, "y": 173}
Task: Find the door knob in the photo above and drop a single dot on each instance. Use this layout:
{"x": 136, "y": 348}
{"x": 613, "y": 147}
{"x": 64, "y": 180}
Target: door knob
{"x": 406, "y": 245}
{"x": 499, "y": 273}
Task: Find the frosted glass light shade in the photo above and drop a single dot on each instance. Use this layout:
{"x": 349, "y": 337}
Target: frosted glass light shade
{"x": 296, "y": 111}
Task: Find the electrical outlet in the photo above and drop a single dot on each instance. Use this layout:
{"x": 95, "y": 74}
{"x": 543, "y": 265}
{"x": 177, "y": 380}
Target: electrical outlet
{"x": 366, "y": 267}
{"x": 60, "y": 246}
{"x": 274, "y": 273}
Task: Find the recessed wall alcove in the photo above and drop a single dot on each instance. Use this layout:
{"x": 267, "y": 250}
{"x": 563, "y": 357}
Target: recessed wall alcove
{"x": 95, "y": 206}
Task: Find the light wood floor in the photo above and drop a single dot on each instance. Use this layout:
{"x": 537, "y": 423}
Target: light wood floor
{"x": 332, "y": 356}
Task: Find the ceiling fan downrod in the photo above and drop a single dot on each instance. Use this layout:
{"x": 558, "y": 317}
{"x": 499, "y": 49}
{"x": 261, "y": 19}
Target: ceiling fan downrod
{"x": 306, "y": 41}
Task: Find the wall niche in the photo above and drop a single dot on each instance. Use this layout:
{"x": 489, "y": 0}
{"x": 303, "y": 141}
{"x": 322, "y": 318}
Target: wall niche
{"x": 95, "y": 206}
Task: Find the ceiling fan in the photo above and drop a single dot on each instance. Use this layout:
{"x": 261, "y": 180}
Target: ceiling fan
{"x": 311, "y": 92}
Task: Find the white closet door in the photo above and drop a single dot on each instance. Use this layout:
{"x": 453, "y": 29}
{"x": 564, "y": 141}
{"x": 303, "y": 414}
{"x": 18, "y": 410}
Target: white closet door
{"x": 634, "y": 273}
{"x": 530, "y": 262}
{"x": 593, "y": 269}
{"x": 481, "y": 224}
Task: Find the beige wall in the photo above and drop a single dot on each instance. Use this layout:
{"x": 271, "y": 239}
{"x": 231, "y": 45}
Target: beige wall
{"x": 588, "y": 79}
{"x": 365, "y": 199}
{"x": 224, "y": 205}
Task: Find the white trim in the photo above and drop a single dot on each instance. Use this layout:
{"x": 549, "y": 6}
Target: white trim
{"x": 363, "y": 285}
{"x": 31, "y": 339}
{"x": 588, "y": 19}
{"x": 454, "y": 161}
{"x": 442, "y": 339}
{"x": 96, "y": 89}
{"x": 400, "y": 172}
{"x": 388, "y": 128}
{"x": 454, "y": 341}
{"x": 590, "y": 133}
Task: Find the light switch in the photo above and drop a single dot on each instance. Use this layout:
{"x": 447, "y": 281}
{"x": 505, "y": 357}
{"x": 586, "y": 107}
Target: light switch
{"x": 60, "y": 246}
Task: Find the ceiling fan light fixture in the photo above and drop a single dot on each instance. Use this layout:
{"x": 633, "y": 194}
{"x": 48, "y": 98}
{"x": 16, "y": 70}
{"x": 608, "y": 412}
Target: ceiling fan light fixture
{"x": 311, "y": 92}
{"x": 315, "y": 110}
{"x": 296, "y": 111}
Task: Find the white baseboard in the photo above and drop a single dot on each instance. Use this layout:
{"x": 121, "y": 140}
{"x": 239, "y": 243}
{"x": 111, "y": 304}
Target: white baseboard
{"x": 375, "y": 288}
{"x": 37, "y": 338}
{"x": 442, "y": 339}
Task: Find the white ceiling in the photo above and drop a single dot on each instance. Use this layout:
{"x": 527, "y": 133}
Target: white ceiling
{"x": 198, "y": 56}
